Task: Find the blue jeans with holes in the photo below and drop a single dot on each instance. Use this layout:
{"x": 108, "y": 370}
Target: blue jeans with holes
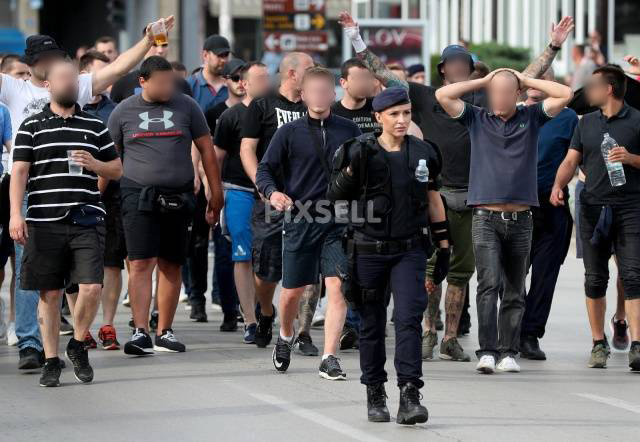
{"x": 27, "y": 328}
{"x": 502, "y": 250}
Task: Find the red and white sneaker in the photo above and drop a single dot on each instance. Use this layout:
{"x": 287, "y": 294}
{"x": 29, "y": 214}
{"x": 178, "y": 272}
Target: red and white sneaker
{"x": 107, "y": 336}
{"x": 89, "y": 342}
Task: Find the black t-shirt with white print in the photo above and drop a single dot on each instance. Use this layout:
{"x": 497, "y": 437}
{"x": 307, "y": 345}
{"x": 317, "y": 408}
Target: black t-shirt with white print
{"x": 43, "y": 140}
{"x": 266, "y": 114}
{"x": 363, "y": 117}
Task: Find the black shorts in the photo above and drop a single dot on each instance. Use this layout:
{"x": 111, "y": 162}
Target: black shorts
{"x": 115, "y": 250}
{"x": 154, "y": 234}
{"x": 58, "y": 254}
{"x": 6, "y": 243}
{"x": 311, "y": 249}
{"x": 266, "y": 244}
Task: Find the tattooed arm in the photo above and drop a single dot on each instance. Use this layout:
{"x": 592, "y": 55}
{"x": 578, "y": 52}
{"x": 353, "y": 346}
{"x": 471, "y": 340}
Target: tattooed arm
{"x": 559, "y": 34}
{"x": 373, "y": 62}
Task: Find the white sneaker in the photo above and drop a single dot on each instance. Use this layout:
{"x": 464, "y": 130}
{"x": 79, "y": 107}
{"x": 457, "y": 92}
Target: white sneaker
{"x": 508, "y": 364}
{"x": 12, "y": 338}
{"x": 487, "y": 364}
{"x": 125, "y": 300}
{"x": 183, "y": 296}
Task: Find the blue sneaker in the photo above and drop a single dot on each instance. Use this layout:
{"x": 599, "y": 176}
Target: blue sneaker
{"x": 250, "y": 333}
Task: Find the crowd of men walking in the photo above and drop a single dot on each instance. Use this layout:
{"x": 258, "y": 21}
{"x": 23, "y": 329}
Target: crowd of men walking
{"x": 382, "y": 195}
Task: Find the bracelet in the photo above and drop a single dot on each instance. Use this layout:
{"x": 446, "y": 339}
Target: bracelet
{"x": 554, "y": 48}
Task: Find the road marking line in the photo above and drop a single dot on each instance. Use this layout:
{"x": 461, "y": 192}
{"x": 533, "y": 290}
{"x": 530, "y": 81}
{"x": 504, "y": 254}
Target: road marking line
{"x": 618, "y": 403}
{"x": 317, "y": 418}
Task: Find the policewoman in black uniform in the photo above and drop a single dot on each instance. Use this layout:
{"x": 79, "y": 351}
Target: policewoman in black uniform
{"x": 394, "y": 205}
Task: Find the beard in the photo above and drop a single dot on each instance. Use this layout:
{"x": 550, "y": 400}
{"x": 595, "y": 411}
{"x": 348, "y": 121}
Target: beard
{"x": 66, "y": 99}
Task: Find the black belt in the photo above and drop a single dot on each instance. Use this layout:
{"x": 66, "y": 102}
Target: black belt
{"x": 506, "y": 216}
{"x": 388, "y": 247}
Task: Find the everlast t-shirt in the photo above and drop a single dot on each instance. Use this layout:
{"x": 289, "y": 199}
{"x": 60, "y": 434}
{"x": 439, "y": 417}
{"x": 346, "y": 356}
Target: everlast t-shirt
{"x": 265, "y": 115}
{"x": 156, "y": 139}
{"x": 363, "y": 117}
{"x": 451, "y": 137}
{"x": 227, "y": 137}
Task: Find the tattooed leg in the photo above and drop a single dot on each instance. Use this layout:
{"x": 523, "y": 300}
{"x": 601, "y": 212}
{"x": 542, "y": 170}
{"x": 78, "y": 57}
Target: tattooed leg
{"x": 454, "y": 300}
{"x": 307, "y": 307}
{"x": 431, "y": 314}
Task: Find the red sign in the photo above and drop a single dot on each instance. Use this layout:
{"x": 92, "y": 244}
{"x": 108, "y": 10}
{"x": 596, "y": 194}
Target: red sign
{"x": 294, "y": 25}
{"x": 291, "y": 6}
{"x": 296, "y": 41}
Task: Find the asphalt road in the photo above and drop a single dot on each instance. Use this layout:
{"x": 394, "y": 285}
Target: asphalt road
{"x": 224, "y": 390}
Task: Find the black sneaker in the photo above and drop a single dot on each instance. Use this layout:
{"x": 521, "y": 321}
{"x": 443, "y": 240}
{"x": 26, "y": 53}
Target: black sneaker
{"x": 153, "y": 321}
{"x": 30, "y": 359}
{"x": 198, "y": 313}
{"x": 264, "y": 332}
{"x": 79, "y": 357}
{"x": 634, "y": 356}
{"x": 348, "y": 338}
{"x": 330, "y": 369}
{"x": 620, "y": 340}
{"x": 65, "y": 328}
{"x": 281, "y": 355}
{"x": 229, "y": 323}
{"x": 304, "y": 345}
{"x": 410, "y": 411}
{"x": 140, "y": 344}
{"x": 167, "y": 342}
{"x": 51, "y": 370}
{"x": 377, "y": 410}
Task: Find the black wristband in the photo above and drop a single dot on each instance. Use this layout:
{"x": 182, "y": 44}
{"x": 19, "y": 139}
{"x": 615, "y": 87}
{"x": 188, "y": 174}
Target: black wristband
{"x": 440, "y": 225}
{"x": 554, "y": 48}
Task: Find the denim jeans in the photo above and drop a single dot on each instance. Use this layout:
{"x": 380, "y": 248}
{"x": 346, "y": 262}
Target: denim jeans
{"x": 27, "y": 328}
{"x": 502, "y": 249}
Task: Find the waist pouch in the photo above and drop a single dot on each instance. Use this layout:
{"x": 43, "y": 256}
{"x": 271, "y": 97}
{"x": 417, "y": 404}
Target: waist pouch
{"x": 456, "y": 199}
{"x": 167, "y": 200}
{"x": 85, "y": 216}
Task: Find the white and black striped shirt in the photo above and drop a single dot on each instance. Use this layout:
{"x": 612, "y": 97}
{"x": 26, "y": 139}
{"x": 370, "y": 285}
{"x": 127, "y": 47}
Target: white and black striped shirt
{"x": 43, "y": 141}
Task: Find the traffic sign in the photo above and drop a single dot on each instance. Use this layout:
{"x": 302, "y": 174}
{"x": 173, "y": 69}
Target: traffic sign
{"x": 311, "y": 41}
{"x": 294, "y": 25}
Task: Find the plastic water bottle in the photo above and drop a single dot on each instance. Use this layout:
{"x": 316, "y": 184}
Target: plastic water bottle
{"x": 615, "y": 169}
{"x": 422, "y": 172}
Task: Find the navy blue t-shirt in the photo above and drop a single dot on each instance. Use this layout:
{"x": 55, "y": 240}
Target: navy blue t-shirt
{"x": 504, "y": 155}
{"x": 553, "y": 144}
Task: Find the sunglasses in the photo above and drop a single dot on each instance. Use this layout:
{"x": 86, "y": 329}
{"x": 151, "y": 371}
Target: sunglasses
{"x": 224, "y": 54}
{"x": 164, "y": 45}
{"x": 235, "y": 78}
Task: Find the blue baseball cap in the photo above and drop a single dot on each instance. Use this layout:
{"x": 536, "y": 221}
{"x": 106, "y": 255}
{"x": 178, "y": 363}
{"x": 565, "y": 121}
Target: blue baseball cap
{"x": 390, "y": 97}
{"x": 455, "y": 51}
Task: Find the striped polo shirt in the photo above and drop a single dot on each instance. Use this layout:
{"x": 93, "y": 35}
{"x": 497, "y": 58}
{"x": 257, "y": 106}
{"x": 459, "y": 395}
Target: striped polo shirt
{"x": 43, "y": 141}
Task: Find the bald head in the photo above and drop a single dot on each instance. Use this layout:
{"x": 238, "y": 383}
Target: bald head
{"x": 293, "y": 66}
{"x": 503, "y": 78}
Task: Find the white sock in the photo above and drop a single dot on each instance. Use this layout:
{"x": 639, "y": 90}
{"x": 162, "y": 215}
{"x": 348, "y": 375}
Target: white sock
{"x": 325, "y": 356}
{"x": 286, "y": 338}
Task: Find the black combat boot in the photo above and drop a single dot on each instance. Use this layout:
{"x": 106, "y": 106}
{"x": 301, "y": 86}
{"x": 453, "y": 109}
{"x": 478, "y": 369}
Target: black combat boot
{"x": 377, "y": 410}
{"x": 410, "y": 411}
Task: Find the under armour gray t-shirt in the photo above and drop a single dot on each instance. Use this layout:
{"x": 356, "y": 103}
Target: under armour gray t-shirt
{"x": 155, "y": 139}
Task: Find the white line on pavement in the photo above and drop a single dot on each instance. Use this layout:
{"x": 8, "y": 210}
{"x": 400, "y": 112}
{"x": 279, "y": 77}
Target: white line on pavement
{"x": 317, "y": 418}
{"x": 619, "y": 403}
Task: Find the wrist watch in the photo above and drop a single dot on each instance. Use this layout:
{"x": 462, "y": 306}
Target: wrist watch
{"x": 554, "y": 48}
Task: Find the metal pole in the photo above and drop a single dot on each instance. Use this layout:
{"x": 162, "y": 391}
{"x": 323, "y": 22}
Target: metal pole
{"x": 611, "y": 24}
{"x": 580, "y": 21}
{"x": 225, "y": 21}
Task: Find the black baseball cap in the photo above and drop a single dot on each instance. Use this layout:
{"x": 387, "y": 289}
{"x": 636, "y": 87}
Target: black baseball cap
{"x": 232, "y": 67}
{"x": 39, "y": 46}
{"x": 455, "y": 51}
{"x": 414, "y": 69}
{"x": 216, "y": 44}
